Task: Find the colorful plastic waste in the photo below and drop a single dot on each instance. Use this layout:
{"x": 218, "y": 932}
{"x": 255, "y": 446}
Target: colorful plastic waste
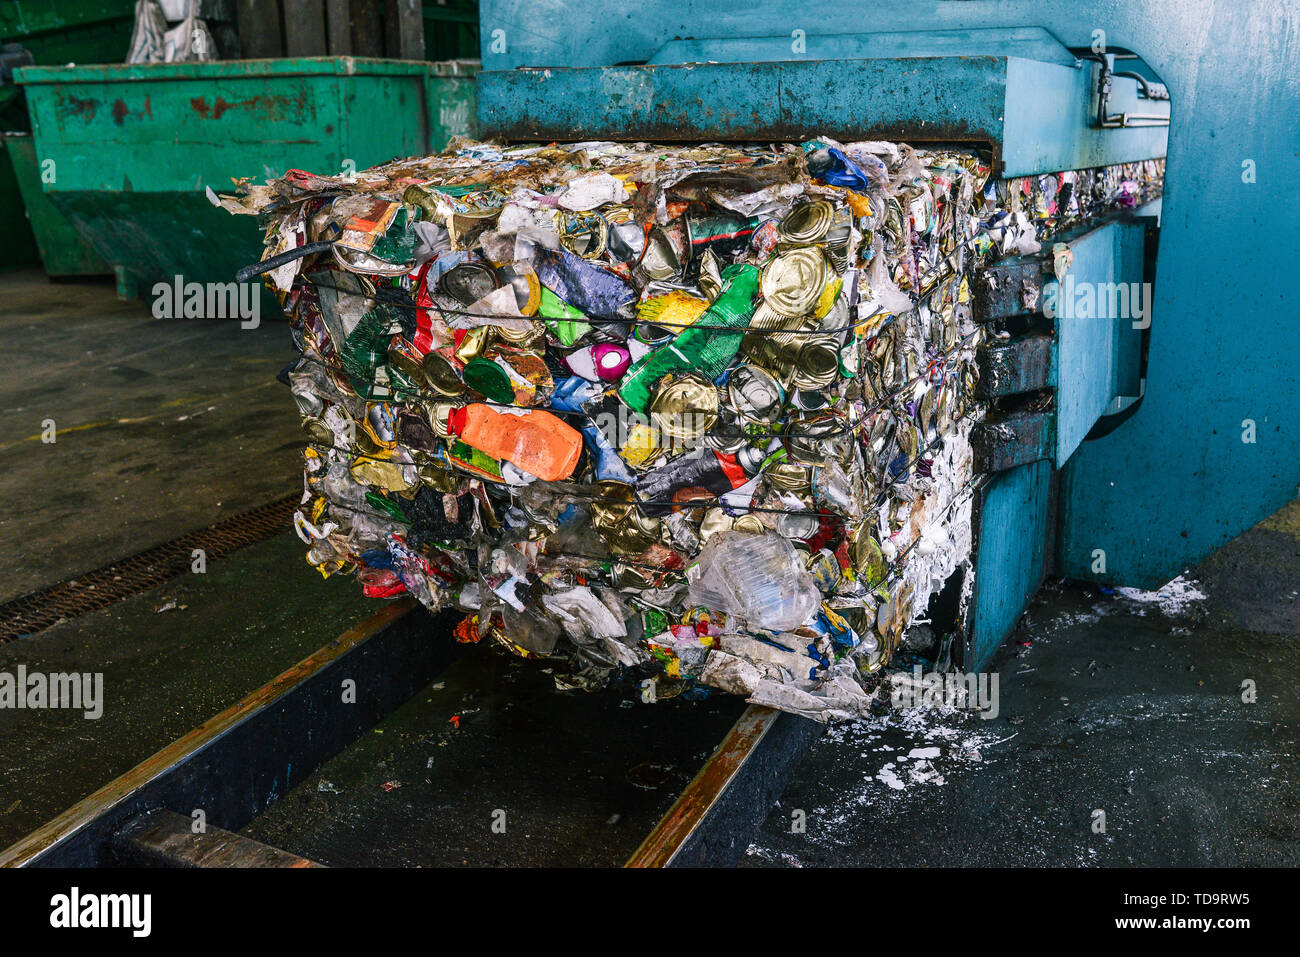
{"x": 701, "y": 413}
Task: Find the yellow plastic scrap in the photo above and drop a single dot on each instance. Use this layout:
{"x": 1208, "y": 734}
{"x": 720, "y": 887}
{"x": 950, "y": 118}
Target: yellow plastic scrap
{"x": 826, "y": 301}
{"x": 860, "y": 204}
{"x": 640, "y": 447}
{"x": 379, "y": 473}
{"x": 674, "y": 309}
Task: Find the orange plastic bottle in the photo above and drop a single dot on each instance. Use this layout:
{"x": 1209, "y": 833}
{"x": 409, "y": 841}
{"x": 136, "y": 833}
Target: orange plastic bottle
{"x": 536, "y": 441}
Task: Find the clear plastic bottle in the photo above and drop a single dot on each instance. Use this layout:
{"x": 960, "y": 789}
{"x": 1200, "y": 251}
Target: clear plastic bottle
{"x": 758, "y": 578}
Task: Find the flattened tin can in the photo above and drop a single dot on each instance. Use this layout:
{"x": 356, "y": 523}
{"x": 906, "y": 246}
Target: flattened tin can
{"x": 806, "y": 224}
{"x": 686, "y": 408}
{"x": 793, "y": 281}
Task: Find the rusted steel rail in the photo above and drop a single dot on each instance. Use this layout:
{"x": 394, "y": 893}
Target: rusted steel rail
{"x": 710, "y": 823}
{"x": 233, "y": 766}
{"x": 166, "y": 839}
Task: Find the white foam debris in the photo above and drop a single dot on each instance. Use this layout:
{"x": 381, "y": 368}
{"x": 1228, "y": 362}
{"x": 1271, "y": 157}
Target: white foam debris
{"x": 887, "y": 776}
{"x": 767, "y": 854}
{"x": 923, "y": 772}
{"x": 944, "y": 737}
{"x": 1079, "y": 617}
{"x": 920, "y": 770}
{"x": 1175, "y": 598}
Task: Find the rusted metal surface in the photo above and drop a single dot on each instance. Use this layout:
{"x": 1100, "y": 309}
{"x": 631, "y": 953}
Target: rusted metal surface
{"x": 1013, "y": 287}
{"x": 710, "y": 823}
{"x": 1015, "y": 366}
{"x": 789, "y": 100}
{"x": 1005, "y": 441}
{"x": 702, "y": 793}
{"x": 164, "y": 838}
{"x": 176, "y": 129}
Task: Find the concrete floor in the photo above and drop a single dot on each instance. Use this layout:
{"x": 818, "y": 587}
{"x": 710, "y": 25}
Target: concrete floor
{"x": 1127, "y": 704}
{"x": 162, "y": 426}
{"x": 231, "y": 630}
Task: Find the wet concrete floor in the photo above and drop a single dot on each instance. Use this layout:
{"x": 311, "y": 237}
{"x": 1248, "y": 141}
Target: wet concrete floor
{"x": 1130, "y": 704}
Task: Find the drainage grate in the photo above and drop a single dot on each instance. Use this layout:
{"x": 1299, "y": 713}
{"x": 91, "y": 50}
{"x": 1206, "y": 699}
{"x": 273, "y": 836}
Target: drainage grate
{"x": 140, "y": 572}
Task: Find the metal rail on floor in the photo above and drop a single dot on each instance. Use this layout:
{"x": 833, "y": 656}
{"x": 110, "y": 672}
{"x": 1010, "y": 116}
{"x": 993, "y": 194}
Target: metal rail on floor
{"x": 235, "y": 765}
{"x": 710, "y": 823}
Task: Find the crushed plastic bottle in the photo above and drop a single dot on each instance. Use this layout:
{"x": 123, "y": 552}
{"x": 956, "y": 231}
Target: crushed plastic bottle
{"x": 535, "y": 441}
{"x": 756, "y": 577}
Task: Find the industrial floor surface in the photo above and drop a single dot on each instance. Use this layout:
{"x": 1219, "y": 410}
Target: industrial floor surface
{"x": 159, "y": 426}
{"x": 575, "y": 780}
{"x": 1174, "y": 713}
{"x": 1129, "y": 703}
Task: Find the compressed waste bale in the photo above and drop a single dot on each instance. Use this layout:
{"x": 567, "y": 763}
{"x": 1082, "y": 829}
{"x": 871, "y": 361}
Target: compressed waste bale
{"x": 694, "y": 415}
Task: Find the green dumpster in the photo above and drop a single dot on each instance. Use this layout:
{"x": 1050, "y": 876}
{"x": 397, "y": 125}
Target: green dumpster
{"x": 131, "y": 150}
{"x": 63, "y": 251}
{"x": 69, "y": 31}
{"x": 53, "y": 31}
{"x": 17, "y": 244}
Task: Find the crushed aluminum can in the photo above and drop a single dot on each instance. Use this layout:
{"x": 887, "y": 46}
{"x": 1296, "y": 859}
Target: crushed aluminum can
{"x": 755, "y": 394}
{"x": 817, "y": 363}
{"x": 806, "y": 224}
{"x": 685, "y": 408}
{"x": 468, "y": 282}
{"x": 664, "y": 250}
{"x": 793, "y": 281}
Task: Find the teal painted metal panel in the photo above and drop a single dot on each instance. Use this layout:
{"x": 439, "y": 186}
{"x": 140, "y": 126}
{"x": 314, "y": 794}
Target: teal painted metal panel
{"x": 1016, "y": 107}
{"x": 788, "y": 100}
{"x": 1011, "y": 555}
{"x": 1130, "y": 260}
{"x": 1174, "y": 480}
{"x": 1032, "y": 43}
{"x": 1047, "y": 117}
{"x": 1095, "y": 307}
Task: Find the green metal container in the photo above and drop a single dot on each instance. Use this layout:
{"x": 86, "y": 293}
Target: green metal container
{"x": 69, "y": 31}
{"x": 63, "y": 252}
{"x": 54, "y": 31}
{"x": 136, "y": 147}
{"x": 17, "y": 244}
